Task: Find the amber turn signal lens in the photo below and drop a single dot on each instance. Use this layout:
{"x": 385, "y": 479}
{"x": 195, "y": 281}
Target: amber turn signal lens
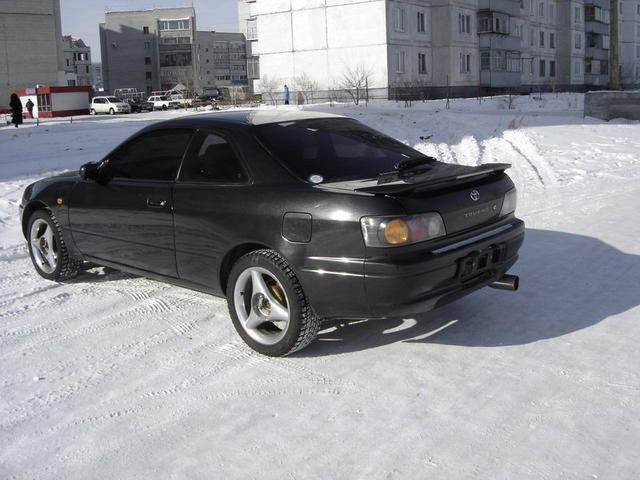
{"x": 396, "y": 231}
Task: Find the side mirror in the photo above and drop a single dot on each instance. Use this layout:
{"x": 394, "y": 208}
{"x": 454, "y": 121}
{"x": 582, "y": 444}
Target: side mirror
{"x": 89, "y": 171}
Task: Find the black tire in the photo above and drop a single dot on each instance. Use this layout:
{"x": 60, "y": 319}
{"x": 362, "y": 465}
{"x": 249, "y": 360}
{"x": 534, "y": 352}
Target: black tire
{"x": 66, "y": 267}
{"x": 92, "y": 112}
{"x": 164, "y": 107}
{"x": 112, "y": 111}
{"x": 303, "y": 325}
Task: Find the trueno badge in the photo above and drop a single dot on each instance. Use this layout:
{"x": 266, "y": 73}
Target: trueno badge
{"x": 475, "y": 195}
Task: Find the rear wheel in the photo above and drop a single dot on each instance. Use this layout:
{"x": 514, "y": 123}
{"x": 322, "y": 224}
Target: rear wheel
{"x": 92, "y": 112}
{"x": 47, "y": 248}
{"x": 268, "y": 306}
{"x": 164, "y": 107}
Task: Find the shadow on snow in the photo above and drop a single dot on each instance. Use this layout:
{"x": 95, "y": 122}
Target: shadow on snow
{"x": 568, "y": 283}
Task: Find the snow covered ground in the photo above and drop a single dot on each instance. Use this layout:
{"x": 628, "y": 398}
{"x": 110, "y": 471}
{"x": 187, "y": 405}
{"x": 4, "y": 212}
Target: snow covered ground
{"x": 115, "y": 376}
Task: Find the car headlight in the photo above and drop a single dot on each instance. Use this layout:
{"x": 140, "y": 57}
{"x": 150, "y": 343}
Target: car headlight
{"x": 509, "y": 203}
{"x": 401, "y": 230}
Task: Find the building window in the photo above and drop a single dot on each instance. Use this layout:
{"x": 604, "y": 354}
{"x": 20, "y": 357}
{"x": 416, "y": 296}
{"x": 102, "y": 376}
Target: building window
{"x": 145, "y": 30}
{"x": 605, "y": 42}
{"x": 552, "y": 11}
{"x": 147, "y": 60}
{"x": 253, "y": 69}
{"x": 541, "y": 9}
{"x": 638, "y": 51}
{"x": 542, "y": 39}
{"x": 87, "y": 69}
{"x": 464, "y": 23}
{"x": 147, "y": 45}
{"x": 67, "y": 62}
{"x": 552, "y": 40}
{"x": 543, "y": 65}
{"x": 484, "y": 25}
{"x": 485, "y": 61}
{"x": 422, "y": 63}
{"x": 421, "y": 23}
{"x": 174, "y": 24}
{"x": 465, "y": 63}
{"x": 252, "y": 29}
{"x": 532, "y": 36}
{"x": 577, "y": 14}
{"x": 578, "y": 41}
{"x": 147, "y": 75}
{"x": 399, "y": 19}
{"x": 552, "y": 68}
{"x": 400, "y": 62}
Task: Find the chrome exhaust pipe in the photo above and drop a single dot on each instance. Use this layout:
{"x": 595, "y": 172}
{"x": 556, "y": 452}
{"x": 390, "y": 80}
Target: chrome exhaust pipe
{"x": 507, "y": 282}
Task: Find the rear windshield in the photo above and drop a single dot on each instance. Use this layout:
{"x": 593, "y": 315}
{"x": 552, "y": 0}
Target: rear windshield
{"x": 337, "y": 149}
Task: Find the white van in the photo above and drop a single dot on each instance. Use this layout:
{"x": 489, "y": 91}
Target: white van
{"x": 111, "y": 105}
{"x": 163, "y": 102}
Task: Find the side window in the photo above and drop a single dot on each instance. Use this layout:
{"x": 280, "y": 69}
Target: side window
{"x": 213, "y": 161}
{"x": 151, "y": 156}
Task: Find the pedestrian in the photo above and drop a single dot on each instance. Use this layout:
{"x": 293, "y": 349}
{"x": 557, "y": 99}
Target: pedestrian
{"x": 16, "y": 110}
{"x": 30, "y": 106}
{"x": 286, "y": 95}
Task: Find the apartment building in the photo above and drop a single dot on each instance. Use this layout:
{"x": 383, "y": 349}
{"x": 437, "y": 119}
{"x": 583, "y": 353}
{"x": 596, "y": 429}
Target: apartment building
{"x": 149, "y": 50}
{"x": 461, "y": 47}
{"x": 77, "y": 62}
{"x": 629, "y": 35}
{"x": 221, "y": 59}
{"x": 33, "y": 58}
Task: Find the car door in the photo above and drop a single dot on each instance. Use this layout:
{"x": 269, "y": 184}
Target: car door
{"x": 207, "y": 201}
{"x": 126, "y": 216}
{"x": 98, "y": 105}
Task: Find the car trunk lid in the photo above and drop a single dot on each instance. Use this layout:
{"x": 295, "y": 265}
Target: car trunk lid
{"x": 464, "y": 196}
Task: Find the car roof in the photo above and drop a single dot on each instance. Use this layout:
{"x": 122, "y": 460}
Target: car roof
{"x": 246, "y": 118}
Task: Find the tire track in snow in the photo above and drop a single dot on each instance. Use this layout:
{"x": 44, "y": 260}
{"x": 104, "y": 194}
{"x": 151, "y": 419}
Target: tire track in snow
{"x": 524, "y": 145}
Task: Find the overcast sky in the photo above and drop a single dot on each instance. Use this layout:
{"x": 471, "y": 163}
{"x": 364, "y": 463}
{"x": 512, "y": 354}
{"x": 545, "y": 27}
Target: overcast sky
{"x": 80, "y": 18}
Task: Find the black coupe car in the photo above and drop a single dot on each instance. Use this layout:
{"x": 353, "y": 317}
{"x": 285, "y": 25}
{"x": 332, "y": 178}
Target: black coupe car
{"x": 294, "y": 217}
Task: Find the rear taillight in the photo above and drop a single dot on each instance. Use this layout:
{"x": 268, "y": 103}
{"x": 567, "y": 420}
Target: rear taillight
{"x": 509, "y": 203}
{"x": 401, "y": 230}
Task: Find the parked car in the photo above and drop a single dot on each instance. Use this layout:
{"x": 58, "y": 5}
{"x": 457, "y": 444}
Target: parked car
{"x": 139, "y": 105}
{"x": 111, "y": 105}
{"x": 294, "y": 217}
{"x": 205, "y": 100}
{"x": 182, "y": 100}
{"x": 163, "y": 102}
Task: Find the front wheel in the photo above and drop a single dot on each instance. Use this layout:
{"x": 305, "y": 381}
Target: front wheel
{"x": 267, "y": 305}
{"x": 164, "y": 107}
{"x": 47, "y": 248}
{"x": 112, "y": 111}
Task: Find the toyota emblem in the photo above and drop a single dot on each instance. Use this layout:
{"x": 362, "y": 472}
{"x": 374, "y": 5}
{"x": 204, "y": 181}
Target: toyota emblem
{"x": 475, "y": 195}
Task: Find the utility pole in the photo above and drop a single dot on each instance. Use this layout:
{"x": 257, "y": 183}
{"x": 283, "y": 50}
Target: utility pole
{"x": 614, "y": 47}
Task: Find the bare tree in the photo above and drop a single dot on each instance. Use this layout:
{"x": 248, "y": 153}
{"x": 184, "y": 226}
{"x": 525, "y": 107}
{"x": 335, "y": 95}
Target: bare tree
{"x": 614, "y": 47}
{"x": 306, "y": 86}
{"x": 355, "y": 82}
{"x": 269, "y": 86}
{"x": 186, "y": 78}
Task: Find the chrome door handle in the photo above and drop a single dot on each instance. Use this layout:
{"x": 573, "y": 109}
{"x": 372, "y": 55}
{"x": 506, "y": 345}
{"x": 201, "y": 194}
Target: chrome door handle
{"x": 156, "y": 203}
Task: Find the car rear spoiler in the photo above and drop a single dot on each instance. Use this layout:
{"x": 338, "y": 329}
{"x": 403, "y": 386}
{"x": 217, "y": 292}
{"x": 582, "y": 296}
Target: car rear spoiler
{"x": 441, "y": 175}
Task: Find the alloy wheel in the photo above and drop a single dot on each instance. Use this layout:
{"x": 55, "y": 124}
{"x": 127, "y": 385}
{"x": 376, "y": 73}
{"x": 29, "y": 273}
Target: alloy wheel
{"x": 262, "y": 305}
{"x": 44, "y": 246}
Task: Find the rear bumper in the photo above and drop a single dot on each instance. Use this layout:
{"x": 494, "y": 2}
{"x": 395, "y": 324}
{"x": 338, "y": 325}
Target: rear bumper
{"x": 420, "y": 281}
{"x": 395, "y": 282}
